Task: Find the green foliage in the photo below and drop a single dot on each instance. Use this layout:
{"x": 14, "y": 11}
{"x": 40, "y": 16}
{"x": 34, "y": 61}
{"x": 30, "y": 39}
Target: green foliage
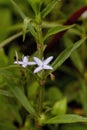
{"x": 66, "y": 53}
{"x": 49, "y": 8}
{"x": 19, "y": 9}
{"x": 56, "y": 29}
{"x": 75, "y": 56}
{"x": 5, "y": 42}
{"x": 18, "y": 93}
{"x": 60, "y": 107}
{"x": 57, "y": 96}
{"x": 69, "y": 118}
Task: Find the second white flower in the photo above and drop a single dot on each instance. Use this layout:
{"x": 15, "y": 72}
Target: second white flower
{"x": 43, "y": 64}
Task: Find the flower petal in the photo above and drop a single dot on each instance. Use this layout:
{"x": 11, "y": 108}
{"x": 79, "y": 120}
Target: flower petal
{"x": 47, "y": 67}
{"x": 24, "y": 65}
{"x": 37, "y": 69}
{"x": 47, "y": 61}
{"x": 38, "y": 61}
{"x": 25, "y": 59}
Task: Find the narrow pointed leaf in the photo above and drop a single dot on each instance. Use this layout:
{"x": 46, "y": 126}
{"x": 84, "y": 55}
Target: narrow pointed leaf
{"x": 19, "y": 9}
{"x": 66, "y": 54}
{"x": 57, "y": 29}
{"x": 66, "y": 118}
{"x": 49, "y": 8}
{"x": 32, "y": 30}
{"x": 12, "y": 28}
{"x": 75, "y": 56}
{"x": 18, "y": 93}
{"x": 8, "y": 40}
{"x": 33, "y": 5}
{"x": 25, "y": 26}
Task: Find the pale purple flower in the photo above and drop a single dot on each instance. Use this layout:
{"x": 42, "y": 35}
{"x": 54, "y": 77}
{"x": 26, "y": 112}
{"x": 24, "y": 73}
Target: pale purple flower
{"x": 43, "y": 64}
{"x": 24, "y": 62}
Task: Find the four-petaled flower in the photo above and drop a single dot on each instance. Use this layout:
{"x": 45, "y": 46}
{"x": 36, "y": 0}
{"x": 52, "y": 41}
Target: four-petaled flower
{"x": 24, "y": 62}
{"x": 43, "y": 64}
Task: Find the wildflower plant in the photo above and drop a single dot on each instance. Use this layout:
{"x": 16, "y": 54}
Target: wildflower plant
{"x": 41, "y": 67}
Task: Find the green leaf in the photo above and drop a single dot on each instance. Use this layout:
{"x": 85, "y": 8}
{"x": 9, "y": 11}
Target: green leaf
{"x": 32, "y": 30}
{"x": 19, "y": 9}
{"x": 56, "y": 29}
{"x": 60, "y": 107}
{"x": 50, "y": 24}
{"x": 18, "y": 93}
{"x": 28, "y": 25}
{"x": 66, "y": 54}
{"x": 8, "y": 40}
{"x": 33, "y": 4}
{"x": 75, "y": 56}
{"x": 11, "y": 28}
{"x": 49, "y": 8}
{"x": 66, "y": 118}
{"x": 25, "y": 27}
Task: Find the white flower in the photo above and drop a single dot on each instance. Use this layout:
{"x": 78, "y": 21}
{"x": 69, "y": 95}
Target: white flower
{"x": 43, "y": 64}
{"x": 24, "y": 62}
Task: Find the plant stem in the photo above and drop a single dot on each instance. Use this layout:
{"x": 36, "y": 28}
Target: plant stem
{"x": 40, "y": 104}
{"x": 40, "y": 49}
{"x": 40, "y": 44}
{"x": 41, "y": 93}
